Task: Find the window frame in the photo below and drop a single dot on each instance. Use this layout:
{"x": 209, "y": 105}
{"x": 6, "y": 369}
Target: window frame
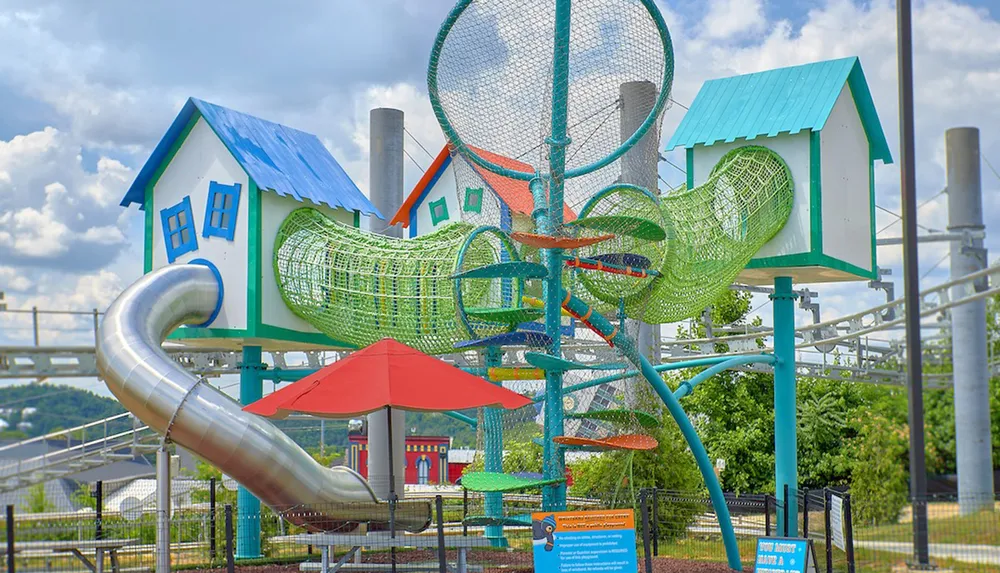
{"x": 183, "y": 247}
{"x": 226, "y": 214}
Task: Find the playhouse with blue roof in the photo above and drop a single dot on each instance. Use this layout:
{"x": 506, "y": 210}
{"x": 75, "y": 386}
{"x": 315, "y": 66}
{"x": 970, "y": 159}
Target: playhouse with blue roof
{"x": 217, "y": 187}
{"x": 820, "y": 118}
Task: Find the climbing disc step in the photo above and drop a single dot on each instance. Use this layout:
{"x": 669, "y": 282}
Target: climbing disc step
{"x": 553, "y": 363}
{"x": 513, "y": 315}
{"x": 598, "y": 265}
{"x": 495, "y": 481}
{"x": 538, "y": 303}
{"x": 503, "y": 373}
{"x": 550, "y": 242}
{"x": 508, "y": 270}
{"x": 517, "y": 338}
{"x": 636, "y": 227}
{"x": 624, "y": 260}
{"x": 622, "y": 442}
{"x": 480, "y": 520}
{"x": 617, "y": 417}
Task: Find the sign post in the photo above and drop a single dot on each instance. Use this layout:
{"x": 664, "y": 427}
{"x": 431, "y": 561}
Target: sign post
{"x": 584, "y": 541}
{"x": 785, "y": 555}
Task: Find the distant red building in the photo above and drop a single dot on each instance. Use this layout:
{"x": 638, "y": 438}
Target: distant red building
{"x": 426, "y": 458}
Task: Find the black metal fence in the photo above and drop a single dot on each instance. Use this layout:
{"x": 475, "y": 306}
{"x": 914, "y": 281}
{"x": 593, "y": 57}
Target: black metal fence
{"x": 673, "y": 531}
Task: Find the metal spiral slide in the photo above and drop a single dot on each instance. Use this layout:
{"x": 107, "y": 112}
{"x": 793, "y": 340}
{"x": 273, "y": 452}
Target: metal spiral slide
{"x": 190, "y": 412}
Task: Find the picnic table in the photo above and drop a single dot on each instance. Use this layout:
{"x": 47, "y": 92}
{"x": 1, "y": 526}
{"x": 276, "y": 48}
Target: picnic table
{"x": 356, "y": 542}
{"x": 77, "y": 548}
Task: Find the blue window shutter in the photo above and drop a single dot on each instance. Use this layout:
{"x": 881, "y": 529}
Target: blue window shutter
{"x": 221, "y": 210}
{"x": 179, "y": 235}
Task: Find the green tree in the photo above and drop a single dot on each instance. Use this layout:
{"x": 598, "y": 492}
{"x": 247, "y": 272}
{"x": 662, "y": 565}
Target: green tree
{"x": 82, "y": 496}
{"x": 38, "y": 501}
{"x": 878, "y": 458}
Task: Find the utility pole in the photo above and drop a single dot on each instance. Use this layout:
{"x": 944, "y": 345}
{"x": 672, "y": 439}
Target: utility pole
{"x": 968, "y": 325}
{"x": 911, "y": 284}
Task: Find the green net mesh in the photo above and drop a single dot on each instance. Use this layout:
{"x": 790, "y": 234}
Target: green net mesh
{"x": 714, "y": 230}
{"x": 358, "y": 287}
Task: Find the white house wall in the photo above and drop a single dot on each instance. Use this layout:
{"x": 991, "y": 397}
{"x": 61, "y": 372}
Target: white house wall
{"x": 443, "y": 187}
{"x": 274, "y": 209}
{"x": 202, "y": 158}
{"x": 844, "y": 171}
{"x": 794, "y": 237}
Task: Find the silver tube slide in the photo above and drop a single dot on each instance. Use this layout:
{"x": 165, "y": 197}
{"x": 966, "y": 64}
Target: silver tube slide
{"x": 193, "y": 414}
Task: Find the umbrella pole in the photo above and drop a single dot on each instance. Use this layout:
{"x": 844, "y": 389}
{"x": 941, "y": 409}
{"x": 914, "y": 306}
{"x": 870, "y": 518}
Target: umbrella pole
{"x": 392, "y": 489}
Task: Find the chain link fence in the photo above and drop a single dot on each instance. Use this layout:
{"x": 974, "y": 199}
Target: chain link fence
{"x": 117, "y": 523}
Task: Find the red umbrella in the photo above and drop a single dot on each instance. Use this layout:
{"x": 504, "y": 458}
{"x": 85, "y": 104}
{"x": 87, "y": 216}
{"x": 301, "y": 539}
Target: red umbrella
{"x": 386, "y": 374}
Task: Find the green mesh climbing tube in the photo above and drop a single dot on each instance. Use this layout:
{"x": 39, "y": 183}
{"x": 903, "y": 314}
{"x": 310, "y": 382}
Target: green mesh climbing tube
{"x": 714, "y": 230}
{"x": 360, "y": 287}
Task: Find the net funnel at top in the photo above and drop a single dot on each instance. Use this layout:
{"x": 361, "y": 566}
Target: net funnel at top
{"x": 359, "y": 288}
{"x": 714, "y": 230}
{"x": 491, "y": 74}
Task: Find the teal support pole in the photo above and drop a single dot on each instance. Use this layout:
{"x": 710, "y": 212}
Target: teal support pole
{"x": 785, "y": 452}
{"x": 628, "y": 348}
{"x": 493, "y": 462}
{"x": 461, "y": 418}
{"x": 554, "y": 463}
{"x": 248, "y": 506}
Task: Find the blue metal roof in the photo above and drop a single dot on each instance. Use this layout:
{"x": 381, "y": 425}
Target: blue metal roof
{"x": 785, "y": 100}
{"x": 279, "y": 159}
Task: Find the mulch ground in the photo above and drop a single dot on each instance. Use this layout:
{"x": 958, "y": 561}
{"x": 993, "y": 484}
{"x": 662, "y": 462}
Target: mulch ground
{"x": 493, "y": 561}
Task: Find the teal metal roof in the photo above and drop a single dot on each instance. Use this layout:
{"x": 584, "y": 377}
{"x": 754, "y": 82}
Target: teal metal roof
{"x": 785, "y": 100}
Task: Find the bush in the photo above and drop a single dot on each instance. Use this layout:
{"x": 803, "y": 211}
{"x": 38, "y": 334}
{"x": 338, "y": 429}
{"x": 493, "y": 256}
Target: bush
{"x": 879, "y": 478}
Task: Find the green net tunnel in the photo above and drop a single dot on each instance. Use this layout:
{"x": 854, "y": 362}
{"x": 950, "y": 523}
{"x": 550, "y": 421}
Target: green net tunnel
{"x": 712, "y": 231}
{"x": 359, "y": 287}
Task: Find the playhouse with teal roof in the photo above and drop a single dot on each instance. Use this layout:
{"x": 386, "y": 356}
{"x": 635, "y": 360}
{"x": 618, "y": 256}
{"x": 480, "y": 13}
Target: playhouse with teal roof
{"x": 820, "y": 118}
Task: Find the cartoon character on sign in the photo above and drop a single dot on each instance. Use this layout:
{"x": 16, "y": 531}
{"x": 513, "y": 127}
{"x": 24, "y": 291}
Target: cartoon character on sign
{"x": 543, "y": 529}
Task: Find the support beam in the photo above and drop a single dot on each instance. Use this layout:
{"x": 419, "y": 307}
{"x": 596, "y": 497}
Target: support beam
{"x": 163, "y": 509}
{"x": 386, "y": 189}
{"x": 785, "y": 414}
{"x": 968, "y": 325}
{"x": 248, "y": 506}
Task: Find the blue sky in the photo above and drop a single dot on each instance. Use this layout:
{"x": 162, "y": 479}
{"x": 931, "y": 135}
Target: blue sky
{"x": 87, "y": 89}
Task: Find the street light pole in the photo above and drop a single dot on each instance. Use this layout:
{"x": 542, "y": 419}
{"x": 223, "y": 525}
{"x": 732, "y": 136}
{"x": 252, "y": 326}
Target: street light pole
{"x": 911, "y": 283}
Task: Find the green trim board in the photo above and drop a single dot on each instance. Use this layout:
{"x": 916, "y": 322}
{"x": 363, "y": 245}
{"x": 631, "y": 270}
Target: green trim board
{"x": 148, "y": 203}
{"x": 254, "y": 251}
{"x": 357, "y": 219}
{"x": 265, "y": 331}
{"x": 810, "y": 260}
{"x": 689, "y": 159}
{"x": 815, "y": 194}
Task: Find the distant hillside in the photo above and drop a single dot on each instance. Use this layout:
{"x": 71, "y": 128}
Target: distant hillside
{"x": 38, "y": 409}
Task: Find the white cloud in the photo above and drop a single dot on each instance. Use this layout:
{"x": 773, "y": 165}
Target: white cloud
{"x": 728, "y": 19}
{"x": 53, "y": 211}
{"x": 11, "y": 280}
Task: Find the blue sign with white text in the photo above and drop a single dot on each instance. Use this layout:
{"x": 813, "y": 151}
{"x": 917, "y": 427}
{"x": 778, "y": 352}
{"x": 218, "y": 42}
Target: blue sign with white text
{"x": 584, "y": 541}
{"x": 784, "y": 555}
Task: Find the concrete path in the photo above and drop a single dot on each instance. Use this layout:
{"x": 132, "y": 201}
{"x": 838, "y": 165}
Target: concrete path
{"x": 989, "y": 554}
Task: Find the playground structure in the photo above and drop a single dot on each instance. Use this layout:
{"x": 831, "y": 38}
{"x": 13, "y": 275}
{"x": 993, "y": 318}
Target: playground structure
{"x": 600, "y": 244}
